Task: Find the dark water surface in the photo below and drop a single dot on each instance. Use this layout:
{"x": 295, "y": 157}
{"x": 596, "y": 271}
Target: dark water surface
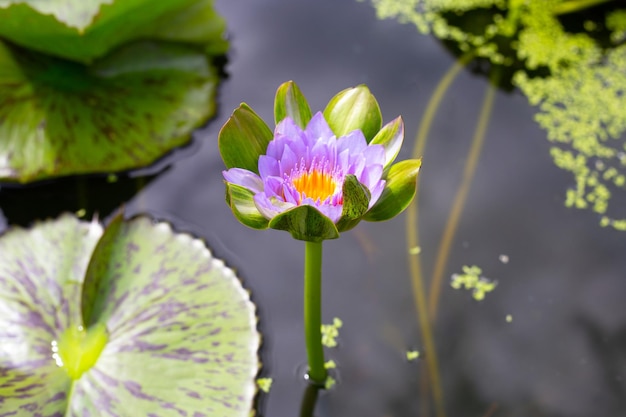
{"x": 564, "y": 286}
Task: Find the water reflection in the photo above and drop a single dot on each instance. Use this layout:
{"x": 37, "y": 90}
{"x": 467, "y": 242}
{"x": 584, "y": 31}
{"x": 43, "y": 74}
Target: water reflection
{"x": 309, "y": 400}
{"x": 86, "y": 196}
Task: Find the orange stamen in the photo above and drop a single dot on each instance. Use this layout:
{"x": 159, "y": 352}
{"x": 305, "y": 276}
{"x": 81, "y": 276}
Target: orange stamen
{"x": 315, "y": 185}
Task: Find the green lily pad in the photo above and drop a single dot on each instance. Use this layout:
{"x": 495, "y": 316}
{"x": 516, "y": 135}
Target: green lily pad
{"x": 132, "y": 320}
{"x": 83, "y": 30}
{"x": 123, "y": 112}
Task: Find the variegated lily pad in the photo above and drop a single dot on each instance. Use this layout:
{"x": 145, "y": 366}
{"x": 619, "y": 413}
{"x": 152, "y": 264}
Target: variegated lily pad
{"x": 125, "y": 111}
{"x": 135, "y": 320}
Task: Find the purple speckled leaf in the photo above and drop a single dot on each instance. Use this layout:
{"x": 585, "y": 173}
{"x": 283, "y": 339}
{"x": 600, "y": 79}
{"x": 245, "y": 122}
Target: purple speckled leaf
{"x": 41, "y": 273}
{"x": 182, "y": 337}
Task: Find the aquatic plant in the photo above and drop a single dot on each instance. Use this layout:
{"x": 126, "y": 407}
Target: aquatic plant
{"x": 145, "y": 78}
{"x": 310, "y": 168}
{"x": 88, "y": 29}
{"x": 124, "y": 111}
{"x": 264, "y": 384}
{"x": 581, "y": 108}
{"x": 134, "y": 319}
{"x": 330, "y": 332}
{"x": 315, "y": 176}
{"x": 587, "y": 129}
{"x": 524, "y": 42}
{"x": 471, "y": 279}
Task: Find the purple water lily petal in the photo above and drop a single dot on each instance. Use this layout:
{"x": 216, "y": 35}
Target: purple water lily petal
{"x": 343, "y": 158}
{"x": 286, "y": 132}
{"x": 374, "y": 154}
{"x": 245, "y": 178}
{"x": 269, "y": 208}
{"x": 273, "y": 187}
{"x": 376, "y": 191}
{"x": 371, "y": 159}
{"x": 309, "y": 167}
{"x": 291, "y": 157}
{"x": 354, "y": 142}
{"x": 268, "y": 166}
{"x": 291, "y": 194}
{"x": 371, "y": 177}
{"x": 356, "y": 165}
{"x": 318, "y": 130}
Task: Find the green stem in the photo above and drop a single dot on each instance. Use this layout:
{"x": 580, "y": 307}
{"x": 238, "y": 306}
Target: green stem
{"x": 459, "y": 200}
{"x": 309, "y": 400}
{"x": 313, "y": 311}
{"x": 572, "y": 6}
{"x": 417, "y": 280}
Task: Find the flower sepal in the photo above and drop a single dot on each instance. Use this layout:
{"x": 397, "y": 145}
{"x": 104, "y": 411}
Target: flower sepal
{"x": 400, "y": 188}
{"x": 354, "y": 109}
{"x": 290, "y": 102}
{"x": 305, "y": 223}
{"x": 356, "y": 198}
{"x": 241, "y": 202}
{"x": 243, "y": 138}
{"x": 390, "y": 137}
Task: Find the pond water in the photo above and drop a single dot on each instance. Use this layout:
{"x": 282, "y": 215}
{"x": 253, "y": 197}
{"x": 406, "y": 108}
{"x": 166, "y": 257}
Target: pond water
{"x": 550, "y": 340}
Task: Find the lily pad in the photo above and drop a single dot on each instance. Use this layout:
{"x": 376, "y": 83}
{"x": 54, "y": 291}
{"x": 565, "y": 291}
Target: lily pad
{"x": 82, "y": 30}
{"x": 132, "y": 320}
{"x": 124, "y": 111}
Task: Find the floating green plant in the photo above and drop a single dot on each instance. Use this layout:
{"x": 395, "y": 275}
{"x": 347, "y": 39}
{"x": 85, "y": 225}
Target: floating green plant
{"x": 330, "y": 382}
{"x": 559, "y": 70}
{"x": 471, "y": 279}
{"x": 509, "y": 34}
{"x": 264, "y": 384}
{"x": 330, "y": 332}
{"x": 587, "y": 128}
{"x": 412, "y": 355}
{"x": 330, "y": 364}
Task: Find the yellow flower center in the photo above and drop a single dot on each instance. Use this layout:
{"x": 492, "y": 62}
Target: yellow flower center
{"x": 316, "y": 185}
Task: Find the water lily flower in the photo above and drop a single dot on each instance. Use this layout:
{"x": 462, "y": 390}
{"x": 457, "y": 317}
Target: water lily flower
{"x": 315, "y": 175}
{"x": 310, "y": 167}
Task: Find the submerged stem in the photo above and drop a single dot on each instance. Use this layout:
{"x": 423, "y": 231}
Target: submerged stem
{"x": 572, "y": 6}
{"x": 309, "y": 400}
{"x": 459, "y": 202}
{"x": 313, "y": 311}
{"x": 417, "y": 279}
